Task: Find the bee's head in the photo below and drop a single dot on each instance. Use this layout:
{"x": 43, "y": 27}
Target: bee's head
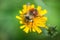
{"x": 33, "y": 12}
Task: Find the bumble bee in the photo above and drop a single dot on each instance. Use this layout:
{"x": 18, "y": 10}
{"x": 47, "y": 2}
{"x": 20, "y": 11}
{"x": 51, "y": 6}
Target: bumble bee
{"x": 30, "y": 14}
{"x": 28, "y": 18}
{"x": 32, "y": 11}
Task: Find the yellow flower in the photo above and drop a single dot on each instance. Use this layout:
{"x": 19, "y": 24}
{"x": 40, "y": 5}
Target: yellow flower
{"x": 32, "y": 18}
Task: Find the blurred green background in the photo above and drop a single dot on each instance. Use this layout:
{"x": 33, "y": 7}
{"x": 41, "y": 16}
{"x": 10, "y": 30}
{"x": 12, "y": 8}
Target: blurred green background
{"x": 9, "y": 25}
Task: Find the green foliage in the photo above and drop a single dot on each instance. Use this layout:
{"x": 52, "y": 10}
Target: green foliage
{"x": 9, "y": 25}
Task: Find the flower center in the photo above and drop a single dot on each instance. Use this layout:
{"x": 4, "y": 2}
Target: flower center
{"x": 30, "y": 15}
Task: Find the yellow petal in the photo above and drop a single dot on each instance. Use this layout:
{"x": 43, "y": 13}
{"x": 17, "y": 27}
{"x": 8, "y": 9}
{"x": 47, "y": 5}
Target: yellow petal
{"x": 21, "y": 27}
{"x": 24, "y": 11}
{"x": 42, "y": 25}
{"x": 18, "y": 17}
{"x": 26, "y": 30}
{"x": 32, "y": 6}
{"x": 43, "y": 12}
{"x": 24, "y": 6}
{"x": 21, "y": 22}
{"x": 44, "y": 18}
{"x": 28, "y": 7}
{"x": 33, "y": 30}
{"x": 38, "y": 30}
{"x": 20, "y": 12}
{"x": 38, "y": 8}
{"x": 46, "y": 27}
